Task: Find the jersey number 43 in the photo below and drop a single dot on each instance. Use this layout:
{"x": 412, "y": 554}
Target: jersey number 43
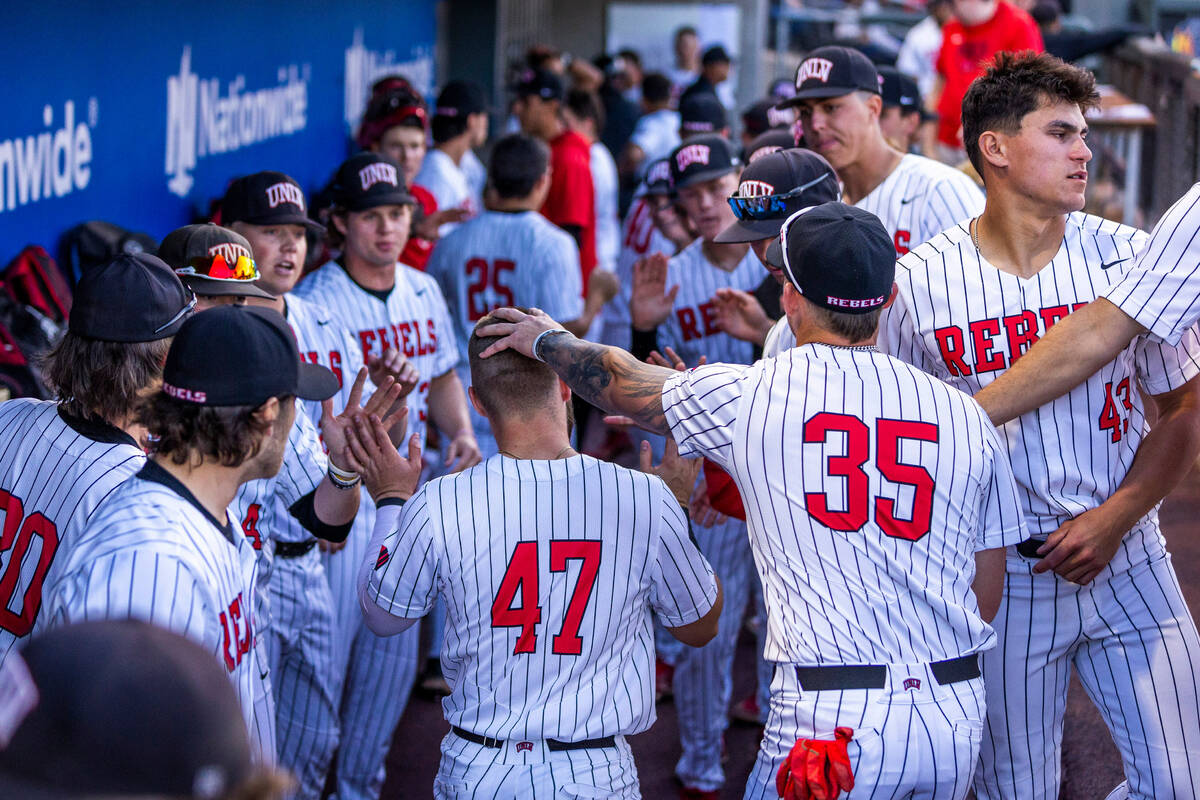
{"x": 522, "y": 576}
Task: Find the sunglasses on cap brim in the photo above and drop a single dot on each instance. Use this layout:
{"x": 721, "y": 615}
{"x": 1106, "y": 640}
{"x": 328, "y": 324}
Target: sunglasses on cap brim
{"x": 217, "y": 268}
{"x": 770, "y": 206}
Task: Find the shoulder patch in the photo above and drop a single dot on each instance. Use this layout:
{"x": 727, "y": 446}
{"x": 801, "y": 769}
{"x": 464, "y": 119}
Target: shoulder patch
{"x": 383, "y": 558}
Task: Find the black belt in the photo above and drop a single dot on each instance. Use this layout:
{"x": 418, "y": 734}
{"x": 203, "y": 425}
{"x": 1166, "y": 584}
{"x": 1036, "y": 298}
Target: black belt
{"x": 294, "y": 549}
{"x": 1029, "y": 548}
{"x": 551, "y": 744}
{"x": 874, "y": 676}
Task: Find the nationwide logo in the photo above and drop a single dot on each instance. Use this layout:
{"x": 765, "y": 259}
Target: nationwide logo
{"x": 365, "y": 66}
{"x": 50, "y": 163}
{"x": 201, "y": 121}
{"x": 284, "y": 192}
{"x": 817, "y": 69}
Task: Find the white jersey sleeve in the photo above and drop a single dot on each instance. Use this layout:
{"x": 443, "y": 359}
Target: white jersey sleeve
{"x": 701, "y": 406}
{"x": 1162, "y": 291}
{"x": 1002, "y": 513}
{"x": 898, "y": 336}
{"x": 920, "y": 198}
{"x": 682, "y": 588}
{"x": 404, "y": 569}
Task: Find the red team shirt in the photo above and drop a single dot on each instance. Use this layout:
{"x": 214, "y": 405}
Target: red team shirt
{"x": 965, "y": 51}
{"x": 572, "y": 200}
{"x": 416, "y": 252}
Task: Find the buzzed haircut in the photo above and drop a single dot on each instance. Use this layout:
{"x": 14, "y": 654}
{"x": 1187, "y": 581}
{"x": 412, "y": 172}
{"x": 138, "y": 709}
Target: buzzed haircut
{"x": 632, "y": 56}
{"x": 656, "y": 88}
{"x": 586, "y": 105}
{"x": 518, "y": 162}
{"x": 508, "y": 383}
{"x": 1015, "y": 85}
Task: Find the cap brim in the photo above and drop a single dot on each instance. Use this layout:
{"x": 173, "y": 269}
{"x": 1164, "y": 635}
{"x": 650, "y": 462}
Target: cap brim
{"x": 287, "y": 219}
{"x": 750, "y": 230}
{"x": 375, "y": 201}
{"x": 316, "y": 383}
{"x": 774, "y": 254}
{"x": 706, "y": 175}
{"x": 823, "y": 91}
{"x": 209, "y": 287}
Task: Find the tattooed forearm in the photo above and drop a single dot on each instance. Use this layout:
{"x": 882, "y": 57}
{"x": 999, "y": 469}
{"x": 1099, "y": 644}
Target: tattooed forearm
{"x": 609, "y": 378}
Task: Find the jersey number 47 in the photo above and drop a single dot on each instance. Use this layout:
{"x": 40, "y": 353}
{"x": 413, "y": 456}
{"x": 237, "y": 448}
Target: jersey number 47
{"x": 522, "y": 576}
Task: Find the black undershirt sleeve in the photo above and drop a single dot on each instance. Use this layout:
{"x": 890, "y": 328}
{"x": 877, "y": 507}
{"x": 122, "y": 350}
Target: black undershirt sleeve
{"x": 305, "y": 512}
{"x": 642, "y": 342}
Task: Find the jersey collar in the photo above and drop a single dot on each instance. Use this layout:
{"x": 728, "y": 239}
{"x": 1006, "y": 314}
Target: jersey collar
{"x": 154, "y": 473}
{"x": 96, "y": 430}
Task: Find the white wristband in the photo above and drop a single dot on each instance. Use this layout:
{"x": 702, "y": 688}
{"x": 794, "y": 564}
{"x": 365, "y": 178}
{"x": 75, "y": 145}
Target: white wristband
{"x": 539, "y": 338}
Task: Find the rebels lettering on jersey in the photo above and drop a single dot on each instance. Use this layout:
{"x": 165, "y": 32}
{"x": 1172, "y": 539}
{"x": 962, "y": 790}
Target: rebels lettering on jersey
{"x": 413, "y": 338}
{"x": 699, "y": 321}
{"x": 237, "y": 627}
{"x": 993, "y": 345}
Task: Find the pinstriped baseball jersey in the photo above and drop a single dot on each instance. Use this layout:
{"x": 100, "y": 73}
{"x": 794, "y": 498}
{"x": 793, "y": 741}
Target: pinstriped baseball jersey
{"x": 868, "y": 487}
{"x": 639, "y": 238}
{"x": 506, "y": 259}
{"x": 448, "y": 184}
{"x": 920, "y": 199}
{"x": 261, "y": 506}
{"x": 413, "y": 320}
{"x": 54, "y": 472}
{"x": 324, "y": 338}
{"x": 549, "y": 570}
{"x": 691, "y": 327}
{"x": 1162, "y": 291}
{"x": 963, "y": 320}
{"x": 779, "y": 338}
{"x": 152, "y": 552}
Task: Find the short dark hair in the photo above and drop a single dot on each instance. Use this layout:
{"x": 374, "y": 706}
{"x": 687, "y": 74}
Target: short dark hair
{"x": 183, "y": 431}
{"x": 632, "y": 56}
{"x": 851, "y": 327}
{"x": 518, "y": 162}
{"x": 444, "y": 128}
{"x": 656, "y": 88}
{"x": 685, "y": 30}
{"x": 1015, "y": 85}
{"x": 507, "y": 383}
{"x": 539, "y": 55}
{"x": 102, "y": 381}
{"x": 586, "y": 105}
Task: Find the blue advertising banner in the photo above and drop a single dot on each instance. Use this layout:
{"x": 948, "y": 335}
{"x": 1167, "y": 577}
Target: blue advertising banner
{"x": 140, "y": 113}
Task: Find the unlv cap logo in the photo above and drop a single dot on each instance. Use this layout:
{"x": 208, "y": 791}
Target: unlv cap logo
{"x": 379, "y": 172}
{"x": 755, "y": 189}
{"x": 763, "y": 151}
{"x": 230, "y": 251}
{"x": 691, "y": 154}
{"x": 817, "y": 69}
{"x": 661, "y": 171}
{"x": 285, "y": 192}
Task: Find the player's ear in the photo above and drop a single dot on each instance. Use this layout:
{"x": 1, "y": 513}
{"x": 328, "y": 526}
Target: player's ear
{"x": 891, "y": 297}
{"x": 874, "y": 103}
{"x": 475, "y": 402}
{"x": 339, "y": 222}
{"x": 268, "y": 412}
{"x": 564, "y": 391}
{"x": 993, "y": 148}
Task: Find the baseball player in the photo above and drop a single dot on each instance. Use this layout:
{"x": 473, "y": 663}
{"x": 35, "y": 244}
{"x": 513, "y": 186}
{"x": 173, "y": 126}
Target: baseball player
{"x": 838, "y": 94}
{"x": 389, "y": 305}
{"x": 705, "y": 172}
{"x": 574, "y": 554}
{"x": 460, "y": 122}
{"x": 877, "y": 532}
{"x": 164, "y": 547}
{"x": 60, "y": 459}
{"x": 1159, "y": 294}
{"x": 511, "y": 254}
{"x": 1093, "y": 586}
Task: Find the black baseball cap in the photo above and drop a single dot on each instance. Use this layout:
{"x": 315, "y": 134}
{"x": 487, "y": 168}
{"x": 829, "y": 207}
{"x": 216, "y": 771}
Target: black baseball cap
{"x": 368, "y": 180}
{"x": 766, "y": 143}
{"x": 240, "y": 356}
{"x": 717, "y": 54}
{"x": 119, "y": 708}
{"x": 764, "y": 116}
{"x": 833, "y": 71}
{"x": 266, "y": 198}
{"x": 900, "y": 90}
{"x": 702, "y": 158}
{"x": 460, "y": 98}
{"x": 701, "y": 112}
{"x": 838, "y": 256}
{"x": 776, "y": 175}
{"x": 658, "y": 178}
{"x": 212, "y": 261}
{"x": 133, "y": 298}
{"x": 542, "y": 82}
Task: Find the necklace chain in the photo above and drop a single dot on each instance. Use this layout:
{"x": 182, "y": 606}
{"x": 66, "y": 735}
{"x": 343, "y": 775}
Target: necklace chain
{"x": 975, "y": 234}
{"x": 557, "y": 455}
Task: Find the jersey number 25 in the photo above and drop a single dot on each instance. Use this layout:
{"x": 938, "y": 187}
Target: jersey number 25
{"x": 487, "y": 275}
{"x": 522, "y": 574}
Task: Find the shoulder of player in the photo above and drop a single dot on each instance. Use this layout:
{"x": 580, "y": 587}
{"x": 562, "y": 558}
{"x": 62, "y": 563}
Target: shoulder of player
{"x": 932, "y": 255}
{"x": 319, "y": 280}
{"x": 306, "y": 313}
{"x": 931, "y": 176}
{"x": 926, "y": 382}
{"x": 417, "y": 280}
{"x": 688, "y": 256}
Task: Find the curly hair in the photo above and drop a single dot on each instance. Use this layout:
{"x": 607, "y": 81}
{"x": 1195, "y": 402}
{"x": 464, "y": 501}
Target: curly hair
{"x": 102, "y": 381}
{"x": 186, "y": 432}
{"x": 1017, "y": 84}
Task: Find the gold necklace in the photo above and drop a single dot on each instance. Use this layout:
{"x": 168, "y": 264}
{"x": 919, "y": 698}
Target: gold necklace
{"x": 557, "y": 455}
{"x": 974, "y": 226}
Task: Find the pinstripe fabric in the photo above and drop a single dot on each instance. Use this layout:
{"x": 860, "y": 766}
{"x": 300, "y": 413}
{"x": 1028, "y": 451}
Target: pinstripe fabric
{"x": 639, "y": 238}
{"x": 867, "y": 594}
{"x": 691, "y": 327}
{"x": 1161, "y": 291}
{"x": 1130, "y": 638}
{"x": 448, "y": 184}
{"x": 47, "y": 468}
{"x": 779, "y": 339}
{"x": 149, "y": 553}
{"x": 460, "y": 536}
{"x": 377, "y": 673}
{"x": 920, "y": 199}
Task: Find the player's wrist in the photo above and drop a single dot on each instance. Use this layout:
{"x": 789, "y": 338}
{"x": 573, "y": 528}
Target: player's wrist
{"x": 540, "y": 339}
{"x": 342, "y": 479}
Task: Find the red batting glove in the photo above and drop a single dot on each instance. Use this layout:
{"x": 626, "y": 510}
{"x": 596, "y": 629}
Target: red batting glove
{"x": 817, "y": 769}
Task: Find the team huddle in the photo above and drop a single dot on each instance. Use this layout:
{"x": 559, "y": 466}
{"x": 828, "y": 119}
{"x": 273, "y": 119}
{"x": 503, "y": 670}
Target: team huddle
{"x": 829, "y": 347}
